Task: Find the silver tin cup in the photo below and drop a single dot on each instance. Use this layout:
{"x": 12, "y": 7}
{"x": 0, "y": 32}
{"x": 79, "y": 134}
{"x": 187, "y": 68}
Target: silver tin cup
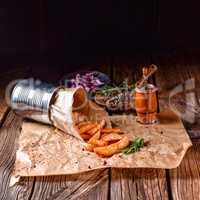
{"x": 32, "y": 99}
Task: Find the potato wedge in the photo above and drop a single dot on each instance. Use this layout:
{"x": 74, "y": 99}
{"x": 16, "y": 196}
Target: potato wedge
{"x": 86, "y": 128}
{"x": 98, "y": 127}
{"x": 111, "y": 130}
{"x": 98, "y": 143}
{"x": 111, "y": 137}
{"x": 96, "y": 136}
{"x": 111, "y": 149}
{"x": 89, "y": 147}
{"x": 85, "y": 136}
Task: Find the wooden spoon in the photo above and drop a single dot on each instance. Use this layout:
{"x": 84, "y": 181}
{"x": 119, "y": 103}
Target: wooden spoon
{"x": 147, "y": 72}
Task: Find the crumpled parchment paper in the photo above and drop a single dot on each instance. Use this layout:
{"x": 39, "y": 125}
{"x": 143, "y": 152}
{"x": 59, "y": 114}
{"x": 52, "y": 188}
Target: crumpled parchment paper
{"x": 44, "y": 150}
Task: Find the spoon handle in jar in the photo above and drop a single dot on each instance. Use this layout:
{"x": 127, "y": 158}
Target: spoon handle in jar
{"x": 147, "y": 72}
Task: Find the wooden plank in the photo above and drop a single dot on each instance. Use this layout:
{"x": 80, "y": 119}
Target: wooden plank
{"x": 184, "y": 180}
{"x": 176, "y": 70}
{"x": 22, "y": 190}
{"x": 138, "y": 184}
{"x": 9, "y": 133}
{"x": 185, "y": 184}
{"x": 135, "y": 183}
{"x": 81, "y": 186}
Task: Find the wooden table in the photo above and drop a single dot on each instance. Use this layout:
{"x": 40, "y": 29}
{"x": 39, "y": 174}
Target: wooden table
{"x": 180, "y": 183}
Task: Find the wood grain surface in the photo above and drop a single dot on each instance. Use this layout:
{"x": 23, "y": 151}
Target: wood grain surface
{"x": 135, "y": 183}
{"x": 185, "y": 180}
{"x": 10, "y": 126}
{"x": 182, "y": 183}
{"x": 9, "y": 133}
{"x": 181, "y": 72}
{"x": 83, "y": 186}
{"x": 132, "y": 184}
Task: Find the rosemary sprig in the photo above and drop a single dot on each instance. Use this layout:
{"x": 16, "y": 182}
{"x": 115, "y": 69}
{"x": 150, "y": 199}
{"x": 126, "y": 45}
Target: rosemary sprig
{"x": 106, "y": 89}
{"x": 134, "y": 146}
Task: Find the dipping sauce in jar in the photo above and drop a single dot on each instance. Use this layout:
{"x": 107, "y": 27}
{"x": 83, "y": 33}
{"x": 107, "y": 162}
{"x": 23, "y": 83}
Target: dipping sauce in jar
{"x": 145, "y": 102}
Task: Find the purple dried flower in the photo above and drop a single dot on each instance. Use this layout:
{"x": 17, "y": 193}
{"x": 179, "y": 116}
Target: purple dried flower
{"x": 88, "y": 81}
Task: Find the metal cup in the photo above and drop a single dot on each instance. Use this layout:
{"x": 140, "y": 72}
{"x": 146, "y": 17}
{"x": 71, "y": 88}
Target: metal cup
{"x": 32, "y": 99}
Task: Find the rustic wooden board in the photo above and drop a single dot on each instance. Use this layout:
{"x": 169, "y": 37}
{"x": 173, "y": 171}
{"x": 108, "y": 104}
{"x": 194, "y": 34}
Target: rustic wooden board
{"x": 83, "y": 186}
{"x": 183, "y": 181}
{"x": 133, "y": 184}
{"x": 126, "y": 183}
{"x": 8, "y": 132}
{"x": 173, "y": 71}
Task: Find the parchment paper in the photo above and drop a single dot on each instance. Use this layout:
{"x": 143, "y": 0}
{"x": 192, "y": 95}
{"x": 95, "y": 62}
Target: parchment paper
{"x": 44, "y": 150}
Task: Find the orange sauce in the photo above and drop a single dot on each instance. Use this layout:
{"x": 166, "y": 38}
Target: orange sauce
{"x": 145, "y": 102}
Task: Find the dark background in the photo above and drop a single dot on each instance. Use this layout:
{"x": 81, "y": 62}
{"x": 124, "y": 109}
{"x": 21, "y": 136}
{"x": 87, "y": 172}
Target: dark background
{"x": 54, "y": 37}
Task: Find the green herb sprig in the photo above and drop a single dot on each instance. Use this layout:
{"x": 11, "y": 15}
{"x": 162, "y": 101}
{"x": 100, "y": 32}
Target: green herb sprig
{"x": 134, "y": 146}
{"x": 106, "y": 89}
